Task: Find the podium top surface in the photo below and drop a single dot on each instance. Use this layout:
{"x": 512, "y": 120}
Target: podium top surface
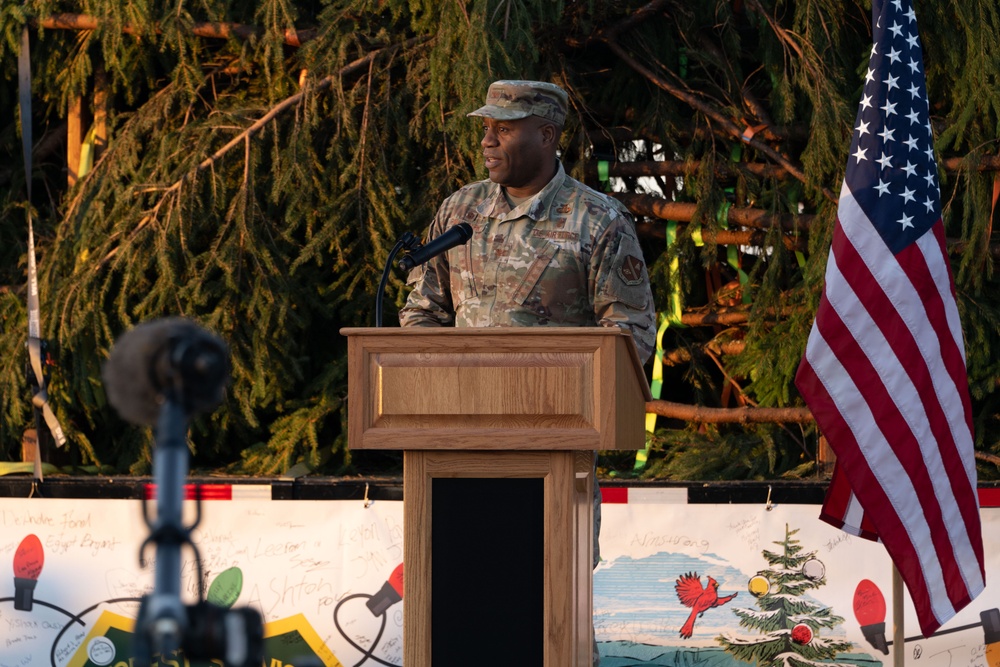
{"x": 447, "y": 333}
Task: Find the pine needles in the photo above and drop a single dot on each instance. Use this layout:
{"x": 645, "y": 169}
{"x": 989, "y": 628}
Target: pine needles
{"x": 257, "y": 180}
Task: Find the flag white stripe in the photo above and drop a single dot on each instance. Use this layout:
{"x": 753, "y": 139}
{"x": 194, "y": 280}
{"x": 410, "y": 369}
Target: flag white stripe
{"x": 942, "y": 280}
{"x": 892, "y": 371}
{"x": 895, "y": 283}
{"x": 854, "y": 515}
{"x": 887, "y": 470}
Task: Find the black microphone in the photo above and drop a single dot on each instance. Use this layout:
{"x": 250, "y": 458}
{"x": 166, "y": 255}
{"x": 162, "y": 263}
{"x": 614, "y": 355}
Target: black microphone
{"x": 456, "y": 235}
{"x": 167, "y": 358}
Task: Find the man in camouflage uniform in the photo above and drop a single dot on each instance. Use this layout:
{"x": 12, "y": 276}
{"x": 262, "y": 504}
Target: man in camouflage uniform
{"x": 546, "y": 250}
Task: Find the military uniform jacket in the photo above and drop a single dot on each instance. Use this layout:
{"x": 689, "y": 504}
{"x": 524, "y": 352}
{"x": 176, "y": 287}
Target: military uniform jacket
{"x": 568, "y": 256}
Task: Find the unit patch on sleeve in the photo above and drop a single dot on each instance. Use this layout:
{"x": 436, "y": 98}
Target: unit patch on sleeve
{"x": 630, "y": 270}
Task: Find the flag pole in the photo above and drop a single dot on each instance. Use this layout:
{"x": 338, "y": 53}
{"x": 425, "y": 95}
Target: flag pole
{"x": 898, "y": 642}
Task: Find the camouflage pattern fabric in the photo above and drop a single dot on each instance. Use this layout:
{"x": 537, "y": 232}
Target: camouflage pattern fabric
{"x": 566, "y": 257}
{"x": 510, "y": 100}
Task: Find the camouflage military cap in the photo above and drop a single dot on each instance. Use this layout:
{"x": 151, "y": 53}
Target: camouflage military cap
{"x": 510, "y": 100}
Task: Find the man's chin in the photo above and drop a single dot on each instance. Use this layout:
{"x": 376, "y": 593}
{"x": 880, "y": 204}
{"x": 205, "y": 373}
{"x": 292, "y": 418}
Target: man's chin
{"x": 502, "y": 178}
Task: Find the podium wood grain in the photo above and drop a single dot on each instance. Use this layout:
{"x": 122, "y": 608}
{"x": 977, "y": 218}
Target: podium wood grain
{"x": 508, "y": 403}
{"x": 535, "y": 388}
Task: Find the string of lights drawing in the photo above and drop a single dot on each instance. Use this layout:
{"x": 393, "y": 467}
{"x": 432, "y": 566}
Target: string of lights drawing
{"x": 29, "y": 558}
{"x": 868, "y": 604}
{"x": 378, "y": 604}
{"x": 225, "y": 589}
{"x": 870, "y": 610}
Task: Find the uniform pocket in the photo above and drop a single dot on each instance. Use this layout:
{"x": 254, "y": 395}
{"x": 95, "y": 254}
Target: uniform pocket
{"x": 415, "y": 275}
{"x": 466, "y": 270}
{"x": 533, "y": 274}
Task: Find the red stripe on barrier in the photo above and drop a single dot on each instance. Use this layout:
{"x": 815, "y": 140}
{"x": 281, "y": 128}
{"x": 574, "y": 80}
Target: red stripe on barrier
{"x": 208, "y": 491}
{"x": 614, "y": 495}
{"x": 989, "y": 497}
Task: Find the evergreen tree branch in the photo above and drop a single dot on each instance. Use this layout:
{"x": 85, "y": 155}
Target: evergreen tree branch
{"x": 364, "y": 140}
{"x": 784, "y": 36}
{"x": 208, "y": 29}
{"x": 635, "y": 18}
{"x": 610, "y": 37}
{"x": 277, "y": 246}
{"x": 764, "y": 125}
{"x": 247, "y": 134}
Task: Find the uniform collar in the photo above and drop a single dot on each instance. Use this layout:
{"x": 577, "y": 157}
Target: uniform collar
{"x": 537, "y": 208}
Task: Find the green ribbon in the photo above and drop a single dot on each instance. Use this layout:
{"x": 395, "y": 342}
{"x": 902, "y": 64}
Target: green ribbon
{"x": 602, "y": 174}
{"x": 671, "y": 318}
{"x": 732, "y": 252}
{"x": 87, "y": 150}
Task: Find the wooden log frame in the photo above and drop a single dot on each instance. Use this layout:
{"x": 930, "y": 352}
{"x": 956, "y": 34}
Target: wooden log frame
{"x": 676, "y": 168}
{"x": 76, "y": 117}
{"x": 795, "y": 227}
{"x": 750, "y": 415}
{"x": 739, "y": 415}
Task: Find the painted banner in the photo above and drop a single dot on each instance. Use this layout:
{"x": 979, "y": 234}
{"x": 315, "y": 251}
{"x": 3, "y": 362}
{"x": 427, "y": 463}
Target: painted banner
{"x": 678, "y": 584}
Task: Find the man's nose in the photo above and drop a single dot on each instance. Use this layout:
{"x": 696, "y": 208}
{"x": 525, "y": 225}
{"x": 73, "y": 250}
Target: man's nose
{"x": 489, "y": 138}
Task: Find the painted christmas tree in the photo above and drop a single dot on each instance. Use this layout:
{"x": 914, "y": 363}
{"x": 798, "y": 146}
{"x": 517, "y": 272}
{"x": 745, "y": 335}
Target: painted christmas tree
{"x": 789, "y": 624}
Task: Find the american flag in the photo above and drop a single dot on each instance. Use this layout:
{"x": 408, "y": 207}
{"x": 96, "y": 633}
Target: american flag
{"x": 884, "y": 369}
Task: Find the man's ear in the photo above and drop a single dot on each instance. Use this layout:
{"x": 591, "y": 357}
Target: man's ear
{"x": 550, "y": 134}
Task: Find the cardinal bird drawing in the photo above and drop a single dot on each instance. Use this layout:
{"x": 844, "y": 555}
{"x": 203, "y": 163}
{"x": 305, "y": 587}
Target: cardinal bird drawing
{"x": 691, "y": 594}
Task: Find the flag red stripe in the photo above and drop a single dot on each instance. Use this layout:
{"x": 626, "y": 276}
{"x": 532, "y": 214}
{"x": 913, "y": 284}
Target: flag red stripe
{"x": 839, "y": 501}
{"x": 885, "y": 497}
{"x": 834, "y": 425}
{"x": 903, "y": 442}
{"x": 884, "y": 386}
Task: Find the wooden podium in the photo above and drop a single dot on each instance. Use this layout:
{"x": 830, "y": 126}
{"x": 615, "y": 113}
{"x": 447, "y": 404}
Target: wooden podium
{"x": 499, "y": 428}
